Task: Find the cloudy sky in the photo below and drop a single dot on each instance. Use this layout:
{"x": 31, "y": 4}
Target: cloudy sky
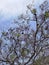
{"x": 10, "y": 8}
{"x": 15, "y": 6}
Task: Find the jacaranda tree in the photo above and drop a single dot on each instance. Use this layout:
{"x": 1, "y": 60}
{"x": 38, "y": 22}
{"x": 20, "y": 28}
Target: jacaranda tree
{"x": 23, "y": 45}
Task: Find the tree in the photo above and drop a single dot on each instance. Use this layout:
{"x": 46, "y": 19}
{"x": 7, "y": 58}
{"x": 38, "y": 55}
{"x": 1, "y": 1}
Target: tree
{"x": 22, "y": 45}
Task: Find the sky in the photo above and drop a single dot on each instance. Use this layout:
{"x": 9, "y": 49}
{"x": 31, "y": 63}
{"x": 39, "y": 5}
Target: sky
{"x": 12, "y": 8}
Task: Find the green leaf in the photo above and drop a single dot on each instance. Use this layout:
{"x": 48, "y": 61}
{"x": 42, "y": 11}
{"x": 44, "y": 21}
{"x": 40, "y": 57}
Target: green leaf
{"x": 24, "y": 52}
{"x": 33, "y": 11}
{"x": 46, "y": 14}
{"x": 4, "y": 33}
{"x": 18, "y": 35}
{"x": 12, "y": 56}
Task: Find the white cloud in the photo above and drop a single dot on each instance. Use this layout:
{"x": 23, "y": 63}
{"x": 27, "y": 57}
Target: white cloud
{"x": 10, "y": 8}
{"x": 13, "y": 6}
